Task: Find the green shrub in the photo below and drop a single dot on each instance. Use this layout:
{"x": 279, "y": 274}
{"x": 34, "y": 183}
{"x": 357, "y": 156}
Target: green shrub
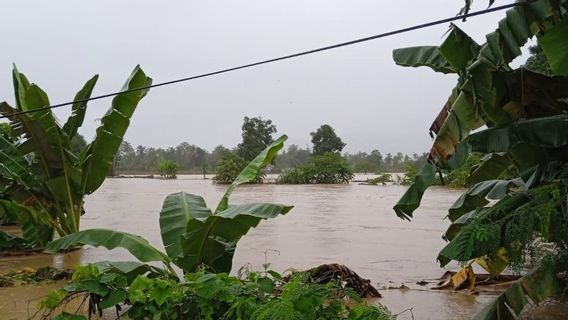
{"x": 328, "y": 168}
{"x": 229, "y": 167}
{"x": 409, "y": 175}
{"x": 201, "y": 295}
{"x": 167, "y": 169}
{"x": 382, "y": 179}
{"x": 293, "y": 176}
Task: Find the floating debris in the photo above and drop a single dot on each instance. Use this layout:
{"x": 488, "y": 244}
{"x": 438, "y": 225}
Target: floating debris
{"x": 348, "y": 278}
{"x": 30, "y": 276}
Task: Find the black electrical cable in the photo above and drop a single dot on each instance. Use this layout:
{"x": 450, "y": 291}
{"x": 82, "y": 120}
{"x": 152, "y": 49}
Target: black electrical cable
{"x": 339, "y": 45}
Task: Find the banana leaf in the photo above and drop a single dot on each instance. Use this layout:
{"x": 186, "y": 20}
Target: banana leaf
{"x": 554, "y": 43}
{"x": 177, "y": 210}
{"x": 136, "y": 245}
{"x": 10, "y": 242}
{"x": 14, "y": 166}
{"x": 101, "y": 152}
{"x": 491, "y": 167}
{"x": 250, "y": 172}
{"x": 537, "y": 285}
{"x": 212, "y": 242}
{"x": 461, "y": 120}
{"x": 38, "y": 139}
{"x": 476, "y": 196}
{"x": 503, "y": 45}
{"x": 36, "y": 227}
{"x": 428, "y": 56}
{"x": 130, "y": 269}
{"x": 79, "y": 108}
{"x": 549, "y": 132}
{"x": 413, "y": 195}
{"x": 459, "y": 49}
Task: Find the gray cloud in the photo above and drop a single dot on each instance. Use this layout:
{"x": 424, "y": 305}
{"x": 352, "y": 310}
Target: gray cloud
{"x": 358, "y": 90}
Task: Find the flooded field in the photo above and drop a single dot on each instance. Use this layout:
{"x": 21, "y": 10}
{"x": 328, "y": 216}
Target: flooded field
{"x": 349, "y": 224}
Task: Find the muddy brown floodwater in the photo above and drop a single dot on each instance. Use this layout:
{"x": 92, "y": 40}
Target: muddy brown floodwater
{"x": 349, "y": 224}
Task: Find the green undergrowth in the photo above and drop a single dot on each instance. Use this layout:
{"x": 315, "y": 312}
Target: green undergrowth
{"x": 138, "y": 293}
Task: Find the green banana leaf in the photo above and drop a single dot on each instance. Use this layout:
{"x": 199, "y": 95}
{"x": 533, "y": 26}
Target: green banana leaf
{"x": 21, "y": 85}
{"x": 549, "y": 132}
{"x": 250, "y": 172}
{"x": 459, "y": 49}
{"x": 425, "y": 56}
{"x": 456, "y": 225}
{"x": 194, "y": 236}
{"x": 476, "y": 196}
{"x": 554, "y": 43}
{"x": 413, "y": 195}
{"x": 36, "y": 227}
{"x": 491, "y": 167}
{"x": 14, "y": 167}
{"x": 101, "y": 151}
{"x": 177, "y": 210}
{"x": 537, "y": 285}
{"x": 79, "y": 108}
{"x": 130, "y": 269}
{"x": 38, "y": 139}
{"x": 212, "y": 242}
{"x": 503, "y": 45}
{"x": 461, "y": 120}
{"x": 136, "y": 245}
{"x": 10, "y": 242}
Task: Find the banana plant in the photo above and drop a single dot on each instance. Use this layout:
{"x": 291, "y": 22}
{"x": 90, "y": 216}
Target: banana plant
{"x": 498, "y": 220}
{"x": 193, "y": 235}
{"x": 43, "y": 182}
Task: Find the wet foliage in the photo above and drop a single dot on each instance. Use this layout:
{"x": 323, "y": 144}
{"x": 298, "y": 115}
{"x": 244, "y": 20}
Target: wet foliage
{"x": 514, "y": 213}
{"x": 254, "y": 295}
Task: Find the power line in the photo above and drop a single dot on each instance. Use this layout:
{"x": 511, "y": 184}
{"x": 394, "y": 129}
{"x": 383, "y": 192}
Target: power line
{"x": 295, "y": 55}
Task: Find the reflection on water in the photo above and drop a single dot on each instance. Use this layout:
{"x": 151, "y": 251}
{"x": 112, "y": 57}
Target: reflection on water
{"x": 350, "y": 224}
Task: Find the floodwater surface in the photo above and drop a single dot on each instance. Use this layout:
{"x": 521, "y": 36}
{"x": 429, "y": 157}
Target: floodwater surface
{"x": 349, "y": 224}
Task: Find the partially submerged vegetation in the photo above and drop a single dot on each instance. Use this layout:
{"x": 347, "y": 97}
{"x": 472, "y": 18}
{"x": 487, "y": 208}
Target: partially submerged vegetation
{"x": 167, "y": 169}
{"x": 382, "y": 179}
{"x": 514, "y": 214}
{"x": 201, "y": 243}
{"x": 30, "y": 276}
{"x": 518, "y": 192}
{"x": 325, "y": 165}
{"x": 327, "y": 168}
{"x": 257, "y": 135}
{"x": 137, "y": 293}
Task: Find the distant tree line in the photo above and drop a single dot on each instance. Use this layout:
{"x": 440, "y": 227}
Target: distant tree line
{"x": 194, "y": 159}
{"x": 257, "y": 134}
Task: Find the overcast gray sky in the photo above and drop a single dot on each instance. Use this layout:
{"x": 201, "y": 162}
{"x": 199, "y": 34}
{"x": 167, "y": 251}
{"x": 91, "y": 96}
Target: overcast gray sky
{"x": 371, "y": 102}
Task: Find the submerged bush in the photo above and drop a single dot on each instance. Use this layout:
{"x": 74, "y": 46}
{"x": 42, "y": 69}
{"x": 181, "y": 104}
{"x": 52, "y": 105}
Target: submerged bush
{"x": 382, "y": 179}
{"x": 293, "y": 176}
{"x": 328, "y": 168}
{"x": 167, "y": 169}
{"x": 229, "y": 167}
{"x": 409, "y": 175}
